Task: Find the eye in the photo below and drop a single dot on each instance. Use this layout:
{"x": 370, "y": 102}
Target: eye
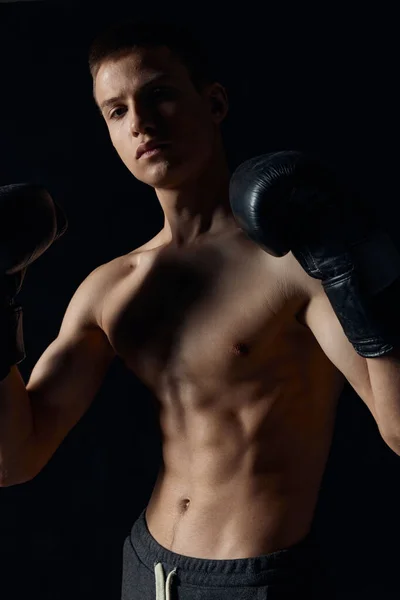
{"x": 162, "y": 93}
{"x": 117, "y": 113}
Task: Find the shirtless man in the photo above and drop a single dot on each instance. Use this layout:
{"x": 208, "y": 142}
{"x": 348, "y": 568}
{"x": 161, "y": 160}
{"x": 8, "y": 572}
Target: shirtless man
{"x": 241, "y": 348}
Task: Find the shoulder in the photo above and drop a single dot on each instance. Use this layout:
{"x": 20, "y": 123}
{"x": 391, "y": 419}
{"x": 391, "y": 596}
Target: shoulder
{"x": 308, "y": 289}
{"x": 86, "y": 305}
{"x": 104, "y": 280}
{"x": 295, "y": 273}
{"x": 293, "y": 285}
{"x": 108, "y": 274}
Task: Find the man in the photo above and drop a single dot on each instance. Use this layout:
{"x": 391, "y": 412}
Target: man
{"x": 242, "y": 349}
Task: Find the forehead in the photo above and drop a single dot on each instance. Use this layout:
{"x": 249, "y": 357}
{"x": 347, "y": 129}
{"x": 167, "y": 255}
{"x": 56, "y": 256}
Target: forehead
{"x": 138, "y": 67}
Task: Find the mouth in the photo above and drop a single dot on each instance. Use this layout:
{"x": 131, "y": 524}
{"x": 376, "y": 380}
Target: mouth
{"x": 149, "y": 150}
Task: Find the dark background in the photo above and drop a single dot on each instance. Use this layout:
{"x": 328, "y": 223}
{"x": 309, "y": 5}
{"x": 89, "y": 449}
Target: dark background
{"x": 323, "y": 80}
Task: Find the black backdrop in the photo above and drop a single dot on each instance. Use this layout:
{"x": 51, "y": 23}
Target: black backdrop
{"x": 323, "y": 80}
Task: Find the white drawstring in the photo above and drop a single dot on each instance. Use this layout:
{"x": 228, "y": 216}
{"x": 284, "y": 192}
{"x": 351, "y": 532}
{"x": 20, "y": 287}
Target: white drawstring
{"x": 163, "y": 590}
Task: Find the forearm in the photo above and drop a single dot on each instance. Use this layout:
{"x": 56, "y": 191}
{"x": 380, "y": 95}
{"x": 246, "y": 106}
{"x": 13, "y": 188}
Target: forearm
{"x": 384, "y": 376}
{"x": 16, "y": 427}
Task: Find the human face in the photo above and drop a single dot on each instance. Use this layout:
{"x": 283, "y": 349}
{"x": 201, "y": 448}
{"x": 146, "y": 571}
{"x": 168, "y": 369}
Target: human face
{"x": 148, "y": 95}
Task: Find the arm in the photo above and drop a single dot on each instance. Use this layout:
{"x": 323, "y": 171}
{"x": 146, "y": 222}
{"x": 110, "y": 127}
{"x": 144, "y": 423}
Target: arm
{"x": 35, "y": 420}
{"x": 289, "y": 201}
{"x": 375, "y": 380}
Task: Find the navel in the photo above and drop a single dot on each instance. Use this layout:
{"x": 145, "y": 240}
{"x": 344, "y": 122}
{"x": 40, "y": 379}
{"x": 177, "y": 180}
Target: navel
{"x": 184, "y": 505}
{"x": 241, "y": 349}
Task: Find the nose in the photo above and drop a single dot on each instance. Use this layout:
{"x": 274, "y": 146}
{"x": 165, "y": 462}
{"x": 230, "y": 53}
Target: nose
{"x": 141, "y": 120}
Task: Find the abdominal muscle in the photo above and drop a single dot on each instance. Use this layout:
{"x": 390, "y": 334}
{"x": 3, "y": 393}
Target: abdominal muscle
{"x": 246, "y": 397}
{"x": 240, "y": 476}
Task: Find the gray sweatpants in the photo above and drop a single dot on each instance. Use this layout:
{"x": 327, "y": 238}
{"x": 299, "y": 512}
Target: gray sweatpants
{"x": 151, "y": 572}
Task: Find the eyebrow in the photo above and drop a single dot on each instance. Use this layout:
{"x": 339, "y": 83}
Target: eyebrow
{"x": 114, "y": 99}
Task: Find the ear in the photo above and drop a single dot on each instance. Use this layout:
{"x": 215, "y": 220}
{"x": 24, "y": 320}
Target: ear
{"x": 218, "y": 101}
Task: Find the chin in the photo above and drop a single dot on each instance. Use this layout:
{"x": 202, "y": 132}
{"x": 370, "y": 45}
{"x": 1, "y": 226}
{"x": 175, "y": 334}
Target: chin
{"x": 164, "y": 176}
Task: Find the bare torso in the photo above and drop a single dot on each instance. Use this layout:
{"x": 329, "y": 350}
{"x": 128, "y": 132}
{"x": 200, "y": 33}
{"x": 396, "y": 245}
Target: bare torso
{"x": 246, "y": 397}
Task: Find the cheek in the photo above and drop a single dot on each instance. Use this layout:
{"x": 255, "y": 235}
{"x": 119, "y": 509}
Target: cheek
{"x": 195, "y": 128}
{"x": 168, "y": 110}
{"x": 118, "y": 138}
{"x": 200, "y": 137}
{"x": 122, "y": 146}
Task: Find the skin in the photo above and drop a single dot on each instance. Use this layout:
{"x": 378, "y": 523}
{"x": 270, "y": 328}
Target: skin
{"x": 214, "y": 326}
{"x": 246, "y": 410}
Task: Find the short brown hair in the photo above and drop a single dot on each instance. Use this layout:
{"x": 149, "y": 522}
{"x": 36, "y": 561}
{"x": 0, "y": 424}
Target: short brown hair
{"x": 123, "y": 37}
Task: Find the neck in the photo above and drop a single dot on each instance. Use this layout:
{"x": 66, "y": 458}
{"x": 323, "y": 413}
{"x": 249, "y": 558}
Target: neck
{"x": 200, "y": 207}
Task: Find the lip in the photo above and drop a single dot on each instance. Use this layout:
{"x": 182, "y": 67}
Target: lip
{"x": 149, "y": 147}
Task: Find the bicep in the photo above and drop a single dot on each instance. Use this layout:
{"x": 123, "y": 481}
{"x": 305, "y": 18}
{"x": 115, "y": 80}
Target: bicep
{"x": 65, "y": 381}
{"x": 70, "y": 370}
{"x": 321, "y": 319}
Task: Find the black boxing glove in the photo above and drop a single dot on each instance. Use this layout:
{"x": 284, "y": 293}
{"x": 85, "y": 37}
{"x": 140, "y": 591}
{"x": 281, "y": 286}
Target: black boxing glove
{"x": 288, "y": 201}
{"x": 29, "y": 223}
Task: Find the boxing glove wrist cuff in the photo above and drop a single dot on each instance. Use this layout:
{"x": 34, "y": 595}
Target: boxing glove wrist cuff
{"x": 366, "y": 299}
{"x": 12, "y": 349}
{"x": 377, "y": 261}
